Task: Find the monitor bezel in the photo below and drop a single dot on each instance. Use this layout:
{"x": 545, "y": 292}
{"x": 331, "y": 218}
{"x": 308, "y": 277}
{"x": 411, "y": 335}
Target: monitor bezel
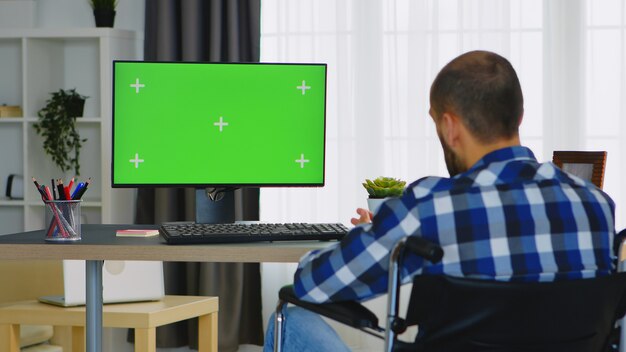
{"x": 213, "y": 185}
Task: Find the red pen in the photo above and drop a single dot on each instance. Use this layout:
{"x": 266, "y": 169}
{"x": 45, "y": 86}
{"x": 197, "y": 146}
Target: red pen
{"x": 56, "y": 215}
{"x": 67, "y": 192}
{"x": 47, "y": 193}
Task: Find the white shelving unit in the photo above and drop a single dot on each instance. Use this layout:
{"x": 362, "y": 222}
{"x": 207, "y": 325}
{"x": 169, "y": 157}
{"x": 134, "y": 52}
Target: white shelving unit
{"x": 34, "y": 63}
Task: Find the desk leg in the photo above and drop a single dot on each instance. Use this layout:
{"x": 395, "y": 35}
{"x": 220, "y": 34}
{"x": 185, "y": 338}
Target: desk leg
{"x": 207, "y": 332}
{"x": 10, "y": 337}
{"x": 145, "y": 340}
{"x": 94, "y": 305}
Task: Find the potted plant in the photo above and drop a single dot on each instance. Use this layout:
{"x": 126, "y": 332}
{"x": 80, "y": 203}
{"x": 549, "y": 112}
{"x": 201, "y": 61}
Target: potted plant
{"x": 381, "y": 189}
{"x": 57, "y": 126}
{"x": 104, "y": 12}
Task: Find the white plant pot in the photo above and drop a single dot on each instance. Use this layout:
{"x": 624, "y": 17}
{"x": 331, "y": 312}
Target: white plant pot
{"x": 374, "y": 203}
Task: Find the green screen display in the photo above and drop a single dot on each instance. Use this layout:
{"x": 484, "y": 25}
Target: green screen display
{"x": 218, "y": 124}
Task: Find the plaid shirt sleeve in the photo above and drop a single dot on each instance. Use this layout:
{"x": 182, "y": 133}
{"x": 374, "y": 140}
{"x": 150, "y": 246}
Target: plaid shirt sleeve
{"x": 356, "y": 268}
{"x": 507, "y": 218}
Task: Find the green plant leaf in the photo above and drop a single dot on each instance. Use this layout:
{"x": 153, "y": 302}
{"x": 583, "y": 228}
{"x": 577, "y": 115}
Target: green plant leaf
{"x": 383, "y": 187}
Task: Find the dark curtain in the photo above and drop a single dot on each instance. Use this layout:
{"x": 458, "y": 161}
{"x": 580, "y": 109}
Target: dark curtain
{"x": 205, "y": 30}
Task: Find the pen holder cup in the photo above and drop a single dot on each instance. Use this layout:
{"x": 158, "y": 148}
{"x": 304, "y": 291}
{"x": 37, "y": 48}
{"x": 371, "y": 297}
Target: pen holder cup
{"x": 62, "y": 220}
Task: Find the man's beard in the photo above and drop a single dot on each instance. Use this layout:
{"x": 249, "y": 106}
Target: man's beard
{"x": 454, "y": 165}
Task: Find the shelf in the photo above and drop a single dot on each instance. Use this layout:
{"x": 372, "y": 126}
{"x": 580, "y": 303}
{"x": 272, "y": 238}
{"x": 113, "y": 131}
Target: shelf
{"x": 11, "y": 203}
{"x": 11, "y": 157}
{"x": 11, "y": 119}
{"x": 40, "y": 165}
{"x": 11, "y": 71}
{"x": 12, "y": 220}
{"x": 35, "y": 63}
{"x": 56, "y": 33}
{"x": 54, "y": 63}
{"x": 79, "y": 120}
{"x": 88, "y": 120}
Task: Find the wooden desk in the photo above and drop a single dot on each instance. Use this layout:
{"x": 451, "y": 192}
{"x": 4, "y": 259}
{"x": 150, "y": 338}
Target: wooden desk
{"x": 144, "y": 317}
{"x": 99, "y": 243}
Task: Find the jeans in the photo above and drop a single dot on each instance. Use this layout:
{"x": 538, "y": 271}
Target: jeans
{"x": 304, "y": 331}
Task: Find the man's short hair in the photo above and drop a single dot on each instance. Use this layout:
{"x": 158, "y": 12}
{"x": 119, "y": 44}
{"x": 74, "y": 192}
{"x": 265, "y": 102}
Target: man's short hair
{"x": 483, "y": 89}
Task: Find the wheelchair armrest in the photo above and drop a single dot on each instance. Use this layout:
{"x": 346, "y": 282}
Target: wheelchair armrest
{"x": 350, "y": 313}
{"x": 424, "y": 248}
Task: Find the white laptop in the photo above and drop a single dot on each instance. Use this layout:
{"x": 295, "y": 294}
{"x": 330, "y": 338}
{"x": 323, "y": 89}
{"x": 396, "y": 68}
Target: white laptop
{"x": 122, "y": 281}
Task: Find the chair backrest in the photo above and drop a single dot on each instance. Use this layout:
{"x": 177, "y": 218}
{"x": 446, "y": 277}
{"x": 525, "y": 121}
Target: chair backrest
{"x": 587, "y": 165}
{"x": 460, "y": 314}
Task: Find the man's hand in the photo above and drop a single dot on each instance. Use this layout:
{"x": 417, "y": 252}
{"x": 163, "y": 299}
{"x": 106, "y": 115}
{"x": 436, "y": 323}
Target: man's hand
{"x": 365, "y": 217}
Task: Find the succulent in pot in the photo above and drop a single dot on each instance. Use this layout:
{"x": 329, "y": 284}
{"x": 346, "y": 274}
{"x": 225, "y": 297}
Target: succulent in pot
{"x": 382, "y": 188}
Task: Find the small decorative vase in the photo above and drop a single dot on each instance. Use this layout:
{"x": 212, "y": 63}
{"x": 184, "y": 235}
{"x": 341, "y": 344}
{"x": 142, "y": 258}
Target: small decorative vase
{"x": 374, "y": 203}
{"x": 104, "y": 18}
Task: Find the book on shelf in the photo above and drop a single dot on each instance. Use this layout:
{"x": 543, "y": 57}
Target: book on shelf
{"x": 10, "y": 111}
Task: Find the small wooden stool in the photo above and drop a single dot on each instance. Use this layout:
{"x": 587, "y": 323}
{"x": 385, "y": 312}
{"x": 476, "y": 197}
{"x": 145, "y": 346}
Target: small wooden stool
{"x": 144, "y": 317}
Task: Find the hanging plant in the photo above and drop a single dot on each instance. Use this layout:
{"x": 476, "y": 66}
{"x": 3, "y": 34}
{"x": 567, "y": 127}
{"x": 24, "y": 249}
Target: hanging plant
{"x": 57, "y": 126}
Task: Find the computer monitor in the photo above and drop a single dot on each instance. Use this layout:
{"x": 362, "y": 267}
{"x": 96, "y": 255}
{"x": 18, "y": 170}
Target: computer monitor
{"x": 179, "y": 124}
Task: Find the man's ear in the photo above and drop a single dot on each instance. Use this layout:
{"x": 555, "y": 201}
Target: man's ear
{"x": 450, "y": 128}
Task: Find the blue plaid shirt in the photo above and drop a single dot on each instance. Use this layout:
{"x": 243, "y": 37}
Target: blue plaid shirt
{"x": 507, "y": 218}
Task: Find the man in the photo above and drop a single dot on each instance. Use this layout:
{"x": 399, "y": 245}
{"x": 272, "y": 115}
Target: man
{"x": 500, "y": 216}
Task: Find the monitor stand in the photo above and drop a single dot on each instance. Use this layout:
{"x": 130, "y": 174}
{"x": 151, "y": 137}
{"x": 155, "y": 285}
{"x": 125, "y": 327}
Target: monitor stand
{"x": 215, "y": 212}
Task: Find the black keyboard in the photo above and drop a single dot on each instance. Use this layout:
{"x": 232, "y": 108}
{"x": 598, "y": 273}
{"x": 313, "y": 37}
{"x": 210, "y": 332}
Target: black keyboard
{"x": 191, "y": 233}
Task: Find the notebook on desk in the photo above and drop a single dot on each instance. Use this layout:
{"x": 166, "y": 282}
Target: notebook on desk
{"x": 122, "y": 281}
